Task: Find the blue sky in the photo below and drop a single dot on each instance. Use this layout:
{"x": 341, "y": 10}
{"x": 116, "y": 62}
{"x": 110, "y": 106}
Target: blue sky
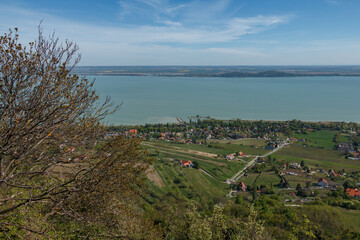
{"x": 196, "y": 32}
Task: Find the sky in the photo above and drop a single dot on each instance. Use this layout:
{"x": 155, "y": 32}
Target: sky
{"x": 195, "y": 32}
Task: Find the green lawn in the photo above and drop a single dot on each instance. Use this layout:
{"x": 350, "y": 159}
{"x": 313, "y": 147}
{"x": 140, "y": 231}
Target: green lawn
{"x": 350, "y": 218}
{"x": 259, "y": 143}
{"x": 217, "y": 148}
{"x": 321, "y": 139}
{"x": 189, "y": 182}
{"x": 313, "y": 157}
{"x": 223, "y": 170}
{"x": 265, "y": 178}
{"x": 344, "y": 138}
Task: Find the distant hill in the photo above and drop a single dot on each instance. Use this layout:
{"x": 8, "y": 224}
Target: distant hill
{"x": 219, "y": 71}
{"x": 270, "y": 73}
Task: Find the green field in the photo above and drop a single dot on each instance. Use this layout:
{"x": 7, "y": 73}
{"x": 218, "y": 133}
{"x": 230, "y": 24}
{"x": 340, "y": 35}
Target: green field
{"x": 344, "y": 138}
{"x": 251, "y": 142}
{"x": 350, "y": 218}
{"x": 217, "y": 148}
{"x": 189, "y": 182}
{"x": 220, "y": 168}
{"x": 265, "y": 178}
{"x": 316, "y": 158}
{"x": 321, "y": 139}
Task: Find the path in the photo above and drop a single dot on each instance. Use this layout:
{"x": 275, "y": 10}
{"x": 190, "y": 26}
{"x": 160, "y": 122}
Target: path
{"x": 209, "y": 174}
{"x": 241, "y": 172}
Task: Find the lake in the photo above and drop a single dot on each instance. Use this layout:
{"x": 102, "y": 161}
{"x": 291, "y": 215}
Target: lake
{"x": 153, "y": 99}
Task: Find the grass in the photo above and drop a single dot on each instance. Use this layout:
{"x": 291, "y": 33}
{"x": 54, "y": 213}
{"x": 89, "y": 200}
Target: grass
{"x": 295, "y": 180}
{"x": 217, "y": 148}
{"x": 222, "y": 172}
{"x": 220, "y": 168}
{"x": 344, "y": 138}
{"x": 316, "y": 158}
{"x": 321, "y": 139}
{"x": 350, "y": 218}
{"x": 189, "y": 182}
{"x": 251, "y": 142}
{"x": 265, "y": 178}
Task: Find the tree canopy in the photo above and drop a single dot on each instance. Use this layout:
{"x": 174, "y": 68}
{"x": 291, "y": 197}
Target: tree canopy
{"x": 54, "y": 163}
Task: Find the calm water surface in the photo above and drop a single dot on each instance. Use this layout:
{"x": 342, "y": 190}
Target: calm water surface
{"x": 149, "y": 99}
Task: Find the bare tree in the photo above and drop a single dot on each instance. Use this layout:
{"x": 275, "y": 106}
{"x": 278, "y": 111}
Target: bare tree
{"x": 49, "y": 125}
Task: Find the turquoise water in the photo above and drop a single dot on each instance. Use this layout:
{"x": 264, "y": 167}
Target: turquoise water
{"x": 149, "y": 99}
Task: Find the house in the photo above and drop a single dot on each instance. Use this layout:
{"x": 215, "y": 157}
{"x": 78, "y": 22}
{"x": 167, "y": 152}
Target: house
{"x": 322, "y": 183}
{"x": 241, "y": 154}
{"x": 80, "y": 157}
{"x": 284, "y": 183}
{"x": 345, "y": 147}
{"x": 333, "y": 173}
{"x": 161, "y": 138}
{"x": 284, "y": 165}
{"x": 294, "y": 165}
{"x": 292, "y": 194}
{"x": 186, "y": 163}
{"x": 353, "y": 192}
{"x": 133, "y": 131}
{"x": 230, "y": 157}
{"x": 182, "y": 141}
{"x": 71, "y": 149}
{"x": 242, "y": 187}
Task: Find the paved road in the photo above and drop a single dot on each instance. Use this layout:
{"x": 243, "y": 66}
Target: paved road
{"x": 241, "y": 172}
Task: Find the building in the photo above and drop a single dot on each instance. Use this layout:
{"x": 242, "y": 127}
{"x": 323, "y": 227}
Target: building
{"x": 333, "y": 173}
{"x": 186, "y": 163}
{"x": 241, "y": 154}
{"x": 242, "y": 187}
{"x": 345, "y": 147}
{"x": 322, "y": 183}
{"x": 230, "y": 157}
{"x": 353, "y": 192}
{"x": 294, "y": 165}
{"x": 133, "y": 131}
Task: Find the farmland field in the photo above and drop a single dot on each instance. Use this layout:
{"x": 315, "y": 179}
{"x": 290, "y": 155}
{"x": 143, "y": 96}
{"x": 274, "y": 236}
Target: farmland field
{"x": 321, "y": 139}
{"x": 317, "y": 157}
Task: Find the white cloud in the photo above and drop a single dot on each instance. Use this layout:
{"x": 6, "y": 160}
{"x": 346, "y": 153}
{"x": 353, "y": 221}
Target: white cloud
{"x": 147, "y": 44}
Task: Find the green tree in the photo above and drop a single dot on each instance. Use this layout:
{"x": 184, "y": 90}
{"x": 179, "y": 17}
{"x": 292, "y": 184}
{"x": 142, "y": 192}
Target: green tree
{"x": 302, "y": 164}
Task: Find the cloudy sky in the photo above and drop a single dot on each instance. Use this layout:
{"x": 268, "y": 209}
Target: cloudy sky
{"x": 196, "y": 32}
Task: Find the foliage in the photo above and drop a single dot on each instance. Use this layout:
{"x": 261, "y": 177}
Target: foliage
{"x": 55, "y": 178}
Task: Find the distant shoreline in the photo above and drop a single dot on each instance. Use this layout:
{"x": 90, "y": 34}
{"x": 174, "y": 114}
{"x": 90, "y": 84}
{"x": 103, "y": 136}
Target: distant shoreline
{"x": 219, "y": 71}
{"x": 244, "y": 120}
{"x": 227, "y": 75}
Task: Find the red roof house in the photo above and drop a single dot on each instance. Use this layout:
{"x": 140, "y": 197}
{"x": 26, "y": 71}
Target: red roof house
{"x": 353, "y": 192}
{"x": 133, "y": 131}
{"x": 332, "y": 172}
{"x": 242, "y": 186}
{"x": 186, "y": 163}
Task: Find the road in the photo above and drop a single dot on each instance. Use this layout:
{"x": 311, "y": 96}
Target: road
{"x": 241, "y": 172}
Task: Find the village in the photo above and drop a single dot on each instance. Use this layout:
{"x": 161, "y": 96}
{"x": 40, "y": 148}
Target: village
{"x": 244, "y": 156}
